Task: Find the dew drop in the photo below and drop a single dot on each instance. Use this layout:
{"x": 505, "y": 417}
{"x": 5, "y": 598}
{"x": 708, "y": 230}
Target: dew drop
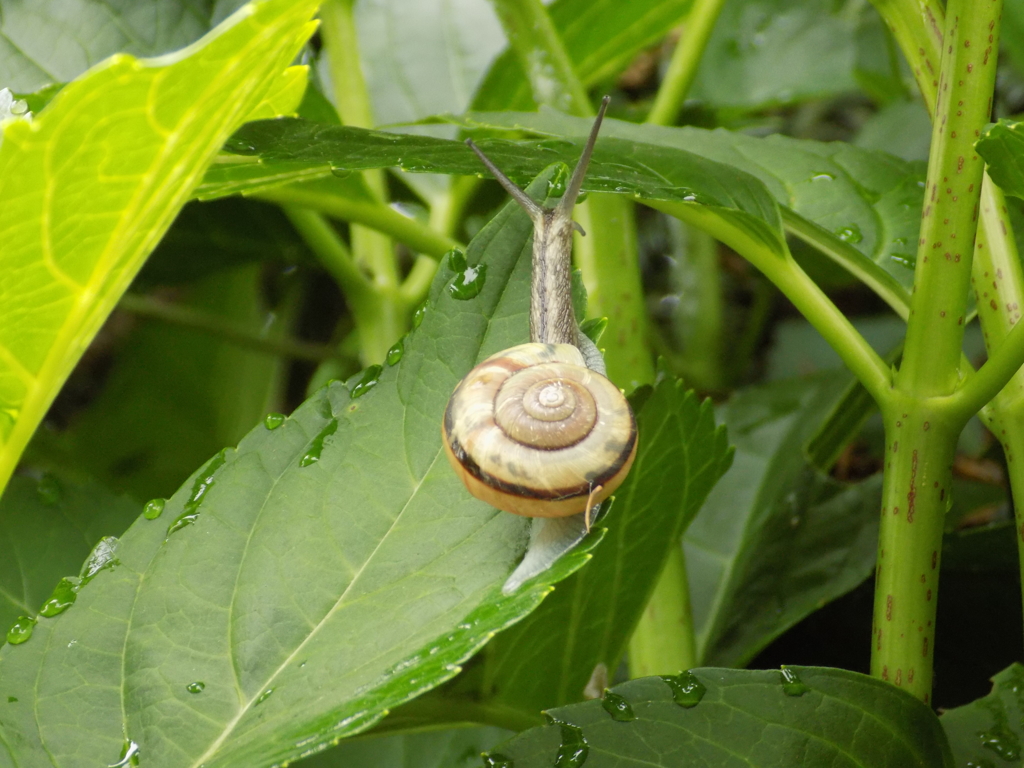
{"x": 468, "y": 283}
{"x": 904, "y": 259}
{"x": 394, "y": 355}
{"x": 617, "y": 706}
{"x": 101, "y": 558}
{"x": 417, "y": 316}
{"x": 582, "y": 197}
{"x": 823, "y": 176}
{"x": 687, "y": 690}
{"x": 497, "y": 760}
{"x": 573, "y": 749}
{"x": 200, "y": 488}
{"x": 197, "y": 687}
{"x": 63, "y": 597}
{"x": 129, "y": 755}
{"x": 239, "y": 146}
{"x": 21, "y": 630}
{"x": 366, "y": 382}
{"x": 558, "y": 183}
{"x": 49, "y": 490}
{"x": 849, "y": 234}
{"x": 791, "y": 683}
{"x": 456, "y": 259}
{"x": 153, "y": 509}
{"x": 312, "y": 456}
{"x": 263, "y": 697}
{"x": 340, "y": 173}
{"x": 273, "y": 420}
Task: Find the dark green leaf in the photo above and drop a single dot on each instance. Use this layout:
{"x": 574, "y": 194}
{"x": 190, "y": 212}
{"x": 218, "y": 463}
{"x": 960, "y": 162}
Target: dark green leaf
{"x": 50, "y": 41}
{"x": 601, "y": 37}
{"x": 801, "y": 716}
{"x": 297, "y": 587}
{"x": 449, "y": 748}
{"x": 861, "y": 208}
{"x": 547, "y": 659}
{"x": 990, "y": 731}
{"x": 47, "y": 527}
{"x": 776, "y": 538}
{"x": 1002, "y": 146}
{"x": 275, "y": 151}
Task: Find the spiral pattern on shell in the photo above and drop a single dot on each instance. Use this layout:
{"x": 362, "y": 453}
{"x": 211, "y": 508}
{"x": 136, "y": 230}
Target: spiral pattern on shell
{"x": 535, "y": 432}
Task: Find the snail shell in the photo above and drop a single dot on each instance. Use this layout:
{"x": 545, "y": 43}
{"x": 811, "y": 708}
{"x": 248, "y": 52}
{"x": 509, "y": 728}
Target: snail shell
{"x": 534, "y": 432}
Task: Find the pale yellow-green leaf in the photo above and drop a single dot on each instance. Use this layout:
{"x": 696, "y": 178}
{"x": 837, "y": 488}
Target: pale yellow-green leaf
{"x": 88, "y": 188}
{"x": 284, "y": 95}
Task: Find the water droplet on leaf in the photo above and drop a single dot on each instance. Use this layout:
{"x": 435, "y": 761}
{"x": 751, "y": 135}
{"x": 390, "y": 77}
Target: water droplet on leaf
{"x": 497, "y": 760}
{"x": 129, "y": 755}
{"x": 617, "y": 706}
{"x": 63, "y": 597}
{"x": 312, "y": 456}
{"x": 263, "y": 697}
{"x": 101, "y": 557}
{"x": 366, "y": 382}
{"x": 849, "y": 234}
{"x": 21, "y": 630}
{"x": 200, "y": 488}
{"x": 239, "y": 146}
{"x": 417, "y": 316}
{"x": 904, "y": 259}
{"x": 274, "y": 420}
{"x": 468, "y": 283}
{"x": 573, "y": 749}
{"x": 12, "y": 699}
{"x": 456, "y": 260}
{"x": 394, "y": 355}
{"x": 791, "y": 683}
{"x": 687, "y": 690}
{"x": 823, "y": 176}
{"x": 197, "y": 687}
{"x": 153, "y": 509}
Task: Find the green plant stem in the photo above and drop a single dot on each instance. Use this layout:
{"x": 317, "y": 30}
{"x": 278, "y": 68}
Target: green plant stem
{"x": 918, "y": 27}
{"x": 920, "y": 446}
{"x": 703, "y": 354}
{"x": 146, "y": 306}
{"x": 682, "y": 69}
{"x": 664, "y": 641}
{"x": 922, "y": 420}
{"x": 379, "y": 317}
{"x": 372, "y": 214}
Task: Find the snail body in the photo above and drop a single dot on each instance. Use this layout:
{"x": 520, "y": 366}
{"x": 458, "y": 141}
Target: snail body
{"x": 535, "y": 432}
{"x": 538, "y": 430}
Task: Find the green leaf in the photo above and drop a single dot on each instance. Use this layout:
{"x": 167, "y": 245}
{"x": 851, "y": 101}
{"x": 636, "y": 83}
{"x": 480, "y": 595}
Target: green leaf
{"x": 808, "y": 716}
{"x": 448, "y": 748}
{"x": 547, "y": 659}
{"x": 47, "y": 527}
{"x": 274, "y": 151}
{"x": 133, "y": 138}
{"x": 329, "y": 568}
{"x": 601, "y": 38}
{"x": 49, "y": 41}
{"x": 1002, "y": 146}
{"x": 861, "y": 208}
{"x": 776, "y": 538}
{"x": 990, "y": 731}
{"x": 764, "y": 53}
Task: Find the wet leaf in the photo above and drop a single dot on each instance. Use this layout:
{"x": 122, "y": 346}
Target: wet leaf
{"x": 47, "y": 527}
{"x": 308, "y": 596}
{"x": 990, "y": 731}
{"x": 810, "y": 716}
{"x": 447, "y": 748}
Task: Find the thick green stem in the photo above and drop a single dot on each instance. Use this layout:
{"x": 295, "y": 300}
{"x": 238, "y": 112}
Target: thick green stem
{"x": 703, "y": 358}
{"x": 663, "y": 642}
{"x": 945, "y": 251}
{"x": 682, "y": 69}
{"x": 918, "y": 26}
{"x": 607, "y": 257}
{"x": 920, "y": 445}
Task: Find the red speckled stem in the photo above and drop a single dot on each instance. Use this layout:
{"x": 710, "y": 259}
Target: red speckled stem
{"x": 921, "y": 420}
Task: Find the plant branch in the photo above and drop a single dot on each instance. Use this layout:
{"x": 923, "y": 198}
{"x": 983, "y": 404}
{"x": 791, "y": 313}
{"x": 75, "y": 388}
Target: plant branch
{"x": 372, "y": 214}
{"x": 188, "y": 317}
{"x": 918, "y": 26}
{"x": 682, "y": 69}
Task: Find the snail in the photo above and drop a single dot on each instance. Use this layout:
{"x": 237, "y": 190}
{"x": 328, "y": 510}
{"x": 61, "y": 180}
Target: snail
{"x": 538, "y": 430}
